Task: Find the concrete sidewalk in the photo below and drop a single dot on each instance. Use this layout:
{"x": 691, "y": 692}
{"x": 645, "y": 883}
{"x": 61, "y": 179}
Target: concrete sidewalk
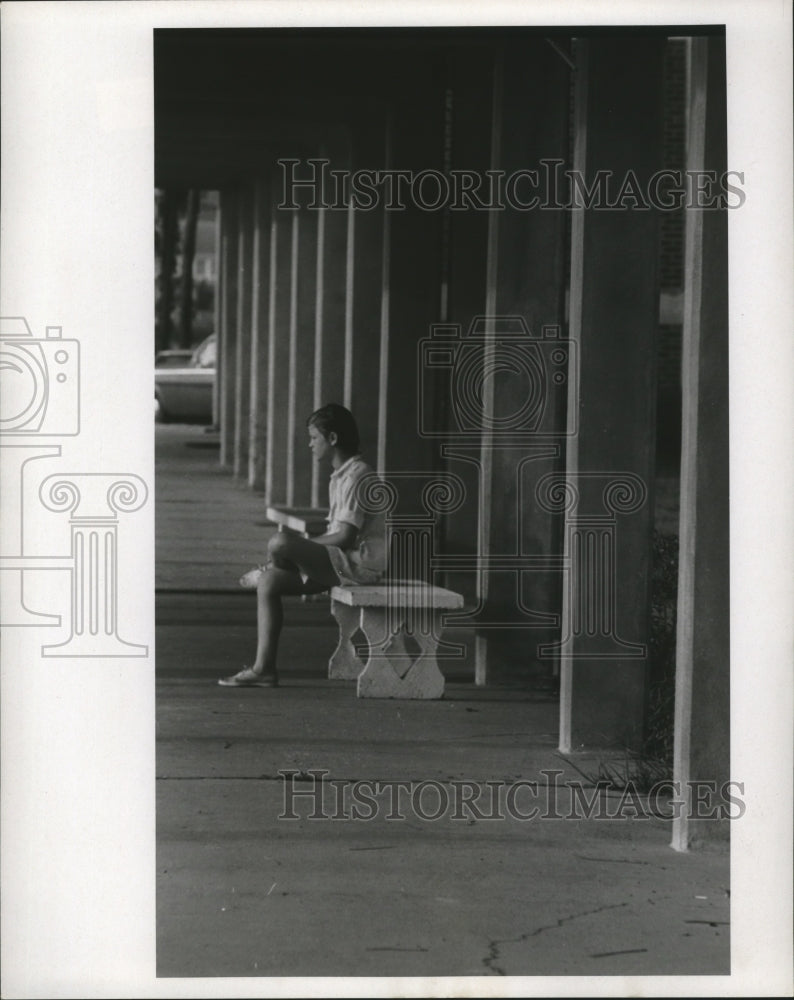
{"x": 209, "y": 527}
{"x": 249, "y": 885}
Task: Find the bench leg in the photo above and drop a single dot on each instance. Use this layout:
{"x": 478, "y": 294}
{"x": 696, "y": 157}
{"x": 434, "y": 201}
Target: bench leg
{"x": 344, "y": 664}
{"x": 391, "y": 670}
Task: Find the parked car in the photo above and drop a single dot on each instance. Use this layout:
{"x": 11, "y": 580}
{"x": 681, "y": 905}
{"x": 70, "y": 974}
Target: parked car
{"x": 173, "y": 359}
{"x": 184, "y": 393}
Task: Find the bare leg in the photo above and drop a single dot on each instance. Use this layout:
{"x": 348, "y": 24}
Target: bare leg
{"x": 290, "y": 551}
{"x": 272, "y": 586}
{"x": 289, "y": 557}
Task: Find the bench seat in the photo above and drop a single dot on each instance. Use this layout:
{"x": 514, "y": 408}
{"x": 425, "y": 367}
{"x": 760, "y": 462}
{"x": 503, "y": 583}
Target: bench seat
{"x": 400, "y": 622}
{"x": 416, "y": 592}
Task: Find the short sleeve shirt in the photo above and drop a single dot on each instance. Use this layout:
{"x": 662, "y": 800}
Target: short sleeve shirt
{"x": 365, "y": 562}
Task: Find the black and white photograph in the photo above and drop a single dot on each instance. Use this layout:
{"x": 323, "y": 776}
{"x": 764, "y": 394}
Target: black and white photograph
{"x": 431, "y": 624}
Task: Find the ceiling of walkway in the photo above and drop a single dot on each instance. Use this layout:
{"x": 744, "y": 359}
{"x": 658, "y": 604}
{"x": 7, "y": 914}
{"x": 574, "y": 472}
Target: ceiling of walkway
{"x": 228, "y": 102}
{"x": 225, "y": 101}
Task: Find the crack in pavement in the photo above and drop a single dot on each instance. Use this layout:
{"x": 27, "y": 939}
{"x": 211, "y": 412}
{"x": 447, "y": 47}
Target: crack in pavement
{"x": 494, "y": 946}
{"x": 389, "y": 948}
{"x": 613, "y": 861}
{"x": 624, "y": 951}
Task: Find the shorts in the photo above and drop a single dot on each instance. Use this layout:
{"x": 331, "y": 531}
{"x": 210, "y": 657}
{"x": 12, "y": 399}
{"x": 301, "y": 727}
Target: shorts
{"x": 350, "y": 574}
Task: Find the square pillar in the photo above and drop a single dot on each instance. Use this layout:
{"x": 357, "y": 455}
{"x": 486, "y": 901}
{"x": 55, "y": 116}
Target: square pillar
{"x": 218, "y": 313}
{"x": 331, "y": 293}
{"x": 242, "y": 379}
{"x": 611, "y": 411}
{"x": 260, "y": 327}
{"x": 469, "y": 127}
{"x": 329, "y": 324}
{"x": 227, "y": 333}
{"x": 524, "y": 427}
{"x": 278, "y": 353}
{"x": 702, "y": 707}
{"x": 365, "y": 253}
{"x": 413, "y": 283}
{"x": 302, "y": 332}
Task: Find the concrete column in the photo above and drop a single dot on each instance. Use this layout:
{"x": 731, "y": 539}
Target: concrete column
{"x": 218, "y": 313}
{"x": 611, "y": 411}
{"x": 279, "y": 353}
{"x": 329, "y": 330}
{"x": 469, "y": 119}
{"x": 385, "y": 333}
{"x": 414, "y": 277}
{"x": 302, "y": 333}
{"x": 702, "y": 711}
{"x": 521, "y": 283}
{"x": 260, "y": 312}
{"x": 365, "y": 287}
{"x": 350, "y": 289}
{"x": 227, "y": 333}
{"x": 242, "y": 379}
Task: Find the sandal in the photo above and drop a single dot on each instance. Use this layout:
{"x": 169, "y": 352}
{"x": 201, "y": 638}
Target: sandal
{"x": 249, "y": 678}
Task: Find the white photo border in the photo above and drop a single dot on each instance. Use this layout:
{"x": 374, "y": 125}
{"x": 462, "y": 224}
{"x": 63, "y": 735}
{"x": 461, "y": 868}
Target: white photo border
{"x": 78, "y": 735}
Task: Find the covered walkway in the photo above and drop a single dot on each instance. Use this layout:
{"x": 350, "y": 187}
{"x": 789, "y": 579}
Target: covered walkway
{"x": 458, "y": 233}
{"x": 445, "y": 874}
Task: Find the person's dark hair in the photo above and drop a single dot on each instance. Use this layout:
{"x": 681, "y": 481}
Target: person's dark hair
{"x": 336, "y": 418}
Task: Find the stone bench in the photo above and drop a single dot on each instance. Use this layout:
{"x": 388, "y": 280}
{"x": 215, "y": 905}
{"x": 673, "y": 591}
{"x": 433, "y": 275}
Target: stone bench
{"x": 398, "y": 625}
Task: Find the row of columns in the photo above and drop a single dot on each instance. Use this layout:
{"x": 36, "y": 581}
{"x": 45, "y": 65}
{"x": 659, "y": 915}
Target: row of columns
{"x": 320, "y": 304}
{"x": 553, "y": 545}
{"x": 302, "y": 323}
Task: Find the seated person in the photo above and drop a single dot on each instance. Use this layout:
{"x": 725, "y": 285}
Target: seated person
{"x": 352, "y": 551}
